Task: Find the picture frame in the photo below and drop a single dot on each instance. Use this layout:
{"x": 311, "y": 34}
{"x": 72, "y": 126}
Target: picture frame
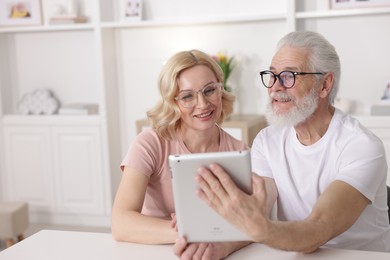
{"x": 59, "y": 12}
{"x": 20, "y": 12}
{"x": 131, "y": 10}
{"x": 343, "y": 4}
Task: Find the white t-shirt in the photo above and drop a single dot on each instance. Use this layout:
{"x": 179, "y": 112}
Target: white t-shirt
{"x": 348, "y": 152}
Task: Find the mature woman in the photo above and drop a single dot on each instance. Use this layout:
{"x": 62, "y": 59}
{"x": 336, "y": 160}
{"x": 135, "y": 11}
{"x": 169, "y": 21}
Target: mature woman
{"x": 186, "y": 120}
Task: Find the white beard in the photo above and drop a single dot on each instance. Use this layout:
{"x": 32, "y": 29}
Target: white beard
{"x": 297, "y": 114}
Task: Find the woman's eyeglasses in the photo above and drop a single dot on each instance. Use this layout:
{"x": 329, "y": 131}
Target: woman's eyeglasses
{"x": 189, "y": 98}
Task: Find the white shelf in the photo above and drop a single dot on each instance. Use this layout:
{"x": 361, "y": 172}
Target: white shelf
{"x": 148, "y": 23}
{"x": 30, "y": 120}
{"x": 200, "y": 21}
{"x": 48, "y": 28}
{"x": 342, "y": 12}
{"x": 197, "y": 21}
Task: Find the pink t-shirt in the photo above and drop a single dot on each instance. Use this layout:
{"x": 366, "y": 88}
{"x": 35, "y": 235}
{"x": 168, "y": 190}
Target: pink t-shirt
{"x": 149, "y": 153}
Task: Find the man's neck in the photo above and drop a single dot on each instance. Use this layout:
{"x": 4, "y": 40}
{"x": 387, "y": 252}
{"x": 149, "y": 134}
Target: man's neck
{"x": 315, "y": 127}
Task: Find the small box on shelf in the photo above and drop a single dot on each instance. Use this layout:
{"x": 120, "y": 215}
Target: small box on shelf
{"x": 67, "y": 12}
{"x": 67, "y": 19}
{"x": 79, "y": 109}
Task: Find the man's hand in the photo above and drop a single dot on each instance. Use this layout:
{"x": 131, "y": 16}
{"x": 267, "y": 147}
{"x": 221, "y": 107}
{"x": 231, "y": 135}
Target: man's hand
{"x": 244, "y": 211}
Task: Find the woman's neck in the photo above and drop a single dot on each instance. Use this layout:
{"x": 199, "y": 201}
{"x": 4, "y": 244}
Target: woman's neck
{"x": 201, "y": 141}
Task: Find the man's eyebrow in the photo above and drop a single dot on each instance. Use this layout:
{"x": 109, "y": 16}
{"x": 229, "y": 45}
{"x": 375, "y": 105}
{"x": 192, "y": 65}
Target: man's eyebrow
{"x": 287, "y": 68}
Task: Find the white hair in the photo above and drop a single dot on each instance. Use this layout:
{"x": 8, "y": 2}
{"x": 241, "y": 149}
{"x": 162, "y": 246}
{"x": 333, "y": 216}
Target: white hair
{"x": 323, "y": 56}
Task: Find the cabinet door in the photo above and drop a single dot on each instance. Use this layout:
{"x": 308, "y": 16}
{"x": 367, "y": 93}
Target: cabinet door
{"x": 78, "y": 169}
{"x": 28, "y": 166}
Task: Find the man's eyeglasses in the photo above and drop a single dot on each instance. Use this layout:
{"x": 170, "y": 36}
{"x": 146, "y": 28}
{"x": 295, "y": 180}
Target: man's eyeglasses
{"x": 189, "y": 98}
{"x": 286, "y": 78}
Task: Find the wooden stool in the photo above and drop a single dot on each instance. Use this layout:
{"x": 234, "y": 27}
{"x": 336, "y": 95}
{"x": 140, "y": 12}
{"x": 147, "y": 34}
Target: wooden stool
{"x": 13, "y": 221}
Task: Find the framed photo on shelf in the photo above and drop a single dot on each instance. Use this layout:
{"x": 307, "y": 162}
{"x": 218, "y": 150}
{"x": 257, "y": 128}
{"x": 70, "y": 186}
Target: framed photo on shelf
{"x": 20, "y": 12}
{"x": 342, "y": 4}
{"x": 131, "y": 10}
{"x": 64, "y": 12}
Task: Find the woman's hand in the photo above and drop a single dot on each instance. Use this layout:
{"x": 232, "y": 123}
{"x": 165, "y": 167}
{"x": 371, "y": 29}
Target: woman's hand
{"x": 173, "y": 221}
{"x": 205, "y": 251}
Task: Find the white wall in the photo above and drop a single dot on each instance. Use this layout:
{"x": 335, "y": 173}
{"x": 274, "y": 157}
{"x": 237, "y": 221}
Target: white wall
{"x": 251, "y": 43}
{"x": 362, "y": 42}
{"x": 73, "y": 84}
{"x": 152, "y": 46}
{"x": 169, "y": 9}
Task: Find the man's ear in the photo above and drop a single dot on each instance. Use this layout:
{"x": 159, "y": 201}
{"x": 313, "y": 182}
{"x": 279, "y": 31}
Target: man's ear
{"x": 327, "y": 84}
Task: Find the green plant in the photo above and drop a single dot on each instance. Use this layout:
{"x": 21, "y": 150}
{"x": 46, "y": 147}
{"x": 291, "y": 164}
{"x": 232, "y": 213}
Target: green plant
{"x": 227, "y": 67}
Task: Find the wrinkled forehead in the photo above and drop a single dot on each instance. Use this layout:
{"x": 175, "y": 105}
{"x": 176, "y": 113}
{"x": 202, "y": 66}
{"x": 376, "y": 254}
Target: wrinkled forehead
{"x": 290, "y": 58}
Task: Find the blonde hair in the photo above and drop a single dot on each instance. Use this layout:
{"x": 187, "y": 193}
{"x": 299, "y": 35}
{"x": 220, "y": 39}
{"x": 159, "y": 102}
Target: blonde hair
{"x": 165, "y": 116}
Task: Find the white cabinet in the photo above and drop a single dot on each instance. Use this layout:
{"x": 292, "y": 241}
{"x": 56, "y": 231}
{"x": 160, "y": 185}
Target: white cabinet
{"x": 58, "y": 170}
{"x": 79, "y": 181}
{"x": 379, "y": 125}
{"x": 28, "y": 161}
{"x": 65, "y": 166}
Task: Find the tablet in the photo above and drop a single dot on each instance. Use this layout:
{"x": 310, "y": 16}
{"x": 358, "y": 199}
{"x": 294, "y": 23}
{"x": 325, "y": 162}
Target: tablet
{"x": 195, "y": 219}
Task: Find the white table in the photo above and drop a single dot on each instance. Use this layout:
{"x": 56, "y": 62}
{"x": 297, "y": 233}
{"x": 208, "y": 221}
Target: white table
{"x": 66, "y": 245}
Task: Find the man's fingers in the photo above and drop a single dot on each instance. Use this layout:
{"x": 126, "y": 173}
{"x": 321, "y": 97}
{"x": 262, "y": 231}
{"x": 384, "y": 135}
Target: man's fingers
{"x": 180, "y": 246}
{"x": 200, "y": 251}
{"x": 258, "y": 184}
{"x": 224, "y": 179}
{"x": 217, "y": 189}
{"x": 208, "y": 184}
{"x": 216, "y": 181}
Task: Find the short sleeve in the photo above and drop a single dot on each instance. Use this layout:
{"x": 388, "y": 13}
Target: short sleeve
{"x": 143, "y": 153}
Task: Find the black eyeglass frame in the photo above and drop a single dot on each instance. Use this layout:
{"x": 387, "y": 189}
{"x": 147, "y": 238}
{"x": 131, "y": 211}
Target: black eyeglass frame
{"x": 277, "y": 76}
